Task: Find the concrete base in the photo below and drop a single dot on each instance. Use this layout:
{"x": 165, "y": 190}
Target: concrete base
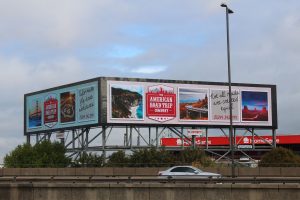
{"x": 97, "y": 191}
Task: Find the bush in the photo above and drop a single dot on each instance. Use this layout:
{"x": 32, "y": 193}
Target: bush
{"x": 159, "y": 158}
{"x": 118, "y": 159}
{"x": 280, "y": 157}
{"x": 43, "y": 154}
{"x": 89, "y": 160}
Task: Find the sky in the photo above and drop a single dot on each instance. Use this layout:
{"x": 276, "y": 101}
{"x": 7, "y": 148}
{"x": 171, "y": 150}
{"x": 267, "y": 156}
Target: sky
{"x": 49, "y": 43}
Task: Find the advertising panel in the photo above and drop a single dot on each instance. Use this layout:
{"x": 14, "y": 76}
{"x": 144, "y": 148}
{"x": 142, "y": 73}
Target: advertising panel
{"x": 127, "y": 102}
{"x": 220, "y": 105}
{"x": 65, "y": 107}
{"x": 195, "y": 104}
{"x": 160, "y": 103}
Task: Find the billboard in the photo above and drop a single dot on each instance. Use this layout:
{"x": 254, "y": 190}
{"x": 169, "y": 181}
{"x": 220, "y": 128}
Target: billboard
{"x": 172, "y": 103}
{"x": 149, "y": 102}
{"x": 70, "y": 106}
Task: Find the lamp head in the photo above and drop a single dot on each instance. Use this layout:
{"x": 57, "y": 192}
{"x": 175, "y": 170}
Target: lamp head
{"x": 223, "y": 5}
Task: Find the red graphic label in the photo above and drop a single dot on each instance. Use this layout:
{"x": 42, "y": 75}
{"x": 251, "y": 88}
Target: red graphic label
{"x": 161, "y": 103}
{"x": 50, "y": 110}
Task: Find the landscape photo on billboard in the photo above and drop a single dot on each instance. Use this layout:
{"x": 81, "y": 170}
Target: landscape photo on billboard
{"x": 35, "y": 113}
{"x": 127, "y": 101}
{"x": 193, "y": 104}
{"x": 254, "y": 106}
{"x": 67, "y": 107}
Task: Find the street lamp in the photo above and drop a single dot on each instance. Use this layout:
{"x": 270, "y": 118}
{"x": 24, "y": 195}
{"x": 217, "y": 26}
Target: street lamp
{"x": 229, "y": 11}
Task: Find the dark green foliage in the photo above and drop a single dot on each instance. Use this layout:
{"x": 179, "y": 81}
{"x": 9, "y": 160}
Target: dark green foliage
{"x": 21, "y": 156}
{"x": 89, "y": 160}
{"x": 118, "y": 159}
{"x": 151, "y": 158}
{"x": 43, "y": 154}
{"x": 158, "y": 158}
{"x": 195, "y": 155}
{"x": 280, "y": 157}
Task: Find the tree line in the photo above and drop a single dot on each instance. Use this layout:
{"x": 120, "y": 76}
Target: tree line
{"x": 53, "y": 154}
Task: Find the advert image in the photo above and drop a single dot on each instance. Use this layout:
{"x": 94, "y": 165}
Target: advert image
{"x": 50, "y": 110}
{"x": 193, "y": 104}
{"x": 254, "y": 106}
{"x": 160, "y": 103}
{"x": 67, "y": 107}
{"x": 35, "y": 113}
{"x": 127, "y": 102}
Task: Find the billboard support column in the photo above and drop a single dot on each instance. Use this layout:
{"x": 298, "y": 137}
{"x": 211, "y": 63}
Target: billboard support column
{"x": 130, "y": 137}
{"x": 274, "y": 137}
{"x": 181, "y": 135}
{"x": 28, "y": 139}
{"x": 87, "y": 139}
{"x": 37, "y": 138}
{"x": 206, "y": 138}
{"x": 194, "y": 141}
{"x": 150, "y": 143}
{"x": 156, "y": 137}
{"x": 104, "y": 142}
{"x": 73, "y": 139}
{"x": 253, "y": 143}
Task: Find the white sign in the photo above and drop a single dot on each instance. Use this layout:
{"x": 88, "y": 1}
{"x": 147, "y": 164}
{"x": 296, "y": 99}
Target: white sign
{"x": 245, "y": 146}
{"x": 60, "y": 135}
{"x": 197, "y": 132}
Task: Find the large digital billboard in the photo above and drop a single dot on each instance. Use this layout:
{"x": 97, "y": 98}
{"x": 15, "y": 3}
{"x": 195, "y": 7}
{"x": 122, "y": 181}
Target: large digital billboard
{"x": 70, "y": 106}
{"x": 189, "y": 103}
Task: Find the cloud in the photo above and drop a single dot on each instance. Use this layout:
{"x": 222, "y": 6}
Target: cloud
{"x": 120, "y": 51}
{"x": 149, "y": 69}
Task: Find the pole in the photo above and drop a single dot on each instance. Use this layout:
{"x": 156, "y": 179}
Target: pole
{"x": 228, "y": 11}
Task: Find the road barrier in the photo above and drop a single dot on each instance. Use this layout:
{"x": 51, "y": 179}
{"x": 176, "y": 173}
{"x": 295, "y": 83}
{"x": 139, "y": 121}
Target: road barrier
{"x": 151, "y": 171}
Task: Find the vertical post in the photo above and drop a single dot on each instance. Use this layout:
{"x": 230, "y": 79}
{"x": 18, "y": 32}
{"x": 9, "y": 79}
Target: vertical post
{"x": 156, "y": 137}
{"x": 206, "y": 138}
{"x": 253, "y": 143}
{"x": 228, "y": 11}
{"x": 87, "y": 139}
{"x": 150, "y": 137}
{"x": 28, "y": 139}
{"x": 130, "y": 137}
{"x": 194, "y": 141}
{"x": 274, "y": 137}
{"x": 103, "y": 142}
{"x": 73, "y": 139}
{"x": 37, "y": 138}
{"x": 182, "y": 138}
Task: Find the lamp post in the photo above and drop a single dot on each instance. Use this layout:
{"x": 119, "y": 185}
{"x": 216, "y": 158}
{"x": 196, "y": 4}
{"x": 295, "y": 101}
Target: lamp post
{"x": 231, "y": 137}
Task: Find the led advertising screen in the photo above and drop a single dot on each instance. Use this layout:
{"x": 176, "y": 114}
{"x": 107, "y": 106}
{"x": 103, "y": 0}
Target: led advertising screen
{"x": 65, "y": 107}
{"x": 191, "y": 103}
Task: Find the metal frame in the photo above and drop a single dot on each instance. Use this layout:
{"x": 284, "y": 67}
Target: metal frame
{"x": 98, "y": 139}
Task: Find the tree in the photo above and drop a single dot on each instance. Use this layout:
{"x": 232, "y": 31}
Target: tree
{"x": 89, "y": 160}
{"x": 151, "y": 158}
{"x": 21, "y": 156}
{"x": 195, "y": 156}
{"x": 118, "y": 159}
{"x": 43, "y": 154}
{"x": 280, "y": 157}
